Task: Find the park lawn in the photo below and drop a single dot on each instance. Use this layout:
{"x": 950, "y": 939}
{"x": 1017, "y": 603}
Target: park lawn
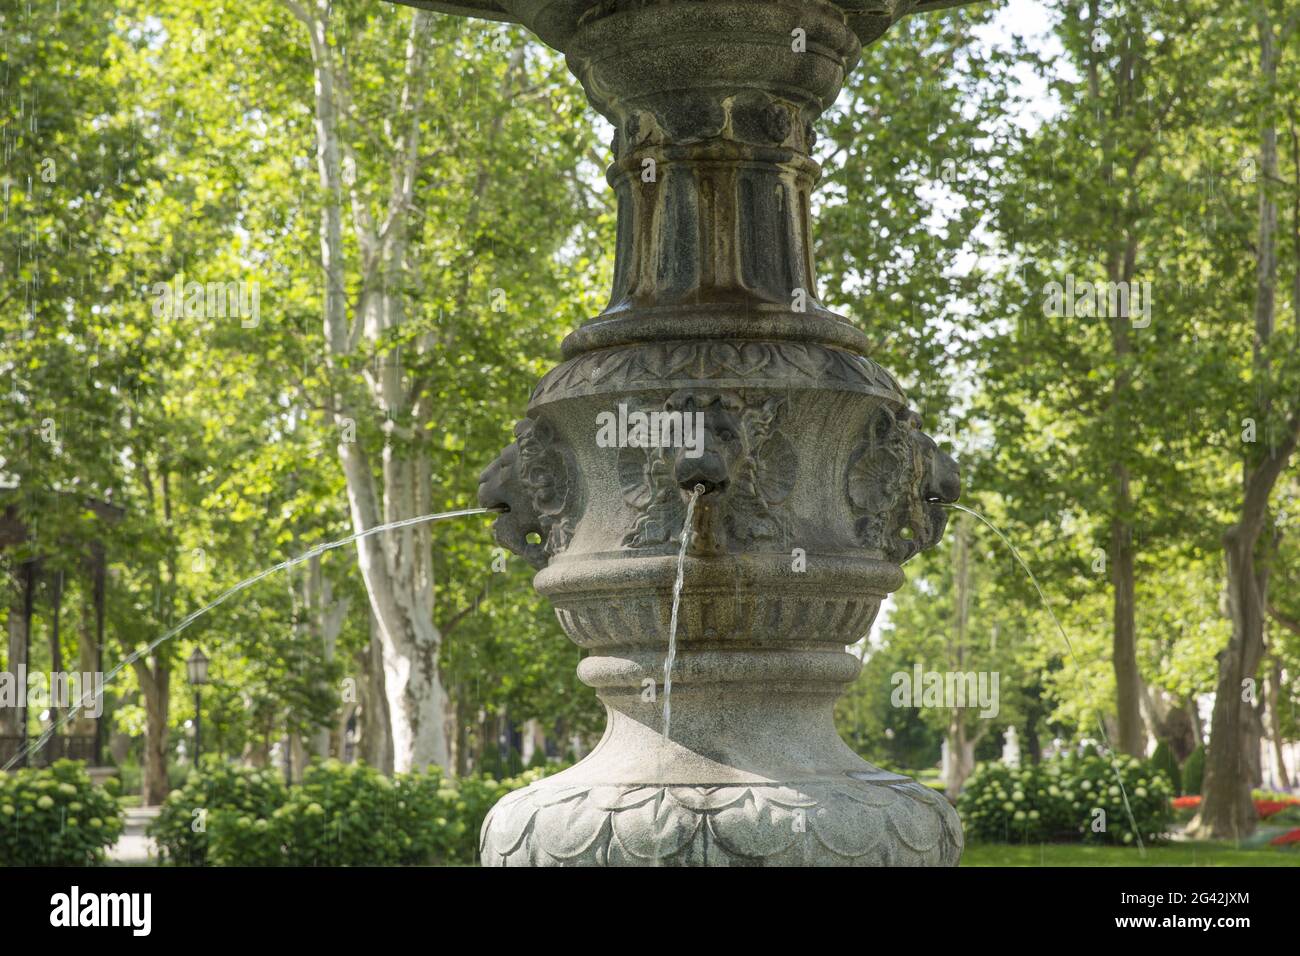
{"x": 1169, "y": 854}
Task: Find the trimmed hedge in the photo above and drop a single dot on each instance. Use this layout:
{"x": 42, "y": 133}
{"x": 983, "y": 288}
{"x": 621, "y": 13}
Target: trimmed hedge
{"x": 1057, "y": 800}
{"x": 182, "y": 827}
{"x": 55, "y": 816}
{"x": 341, "y": 815}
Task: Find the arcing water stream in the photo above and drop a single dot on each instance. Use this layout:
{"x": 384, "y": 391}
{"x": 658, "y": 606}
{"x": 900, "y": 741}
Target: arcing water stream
{"x": 36, "y": 745}
{"x": 688, "y": 532}
{"x": 1110, "y": 751}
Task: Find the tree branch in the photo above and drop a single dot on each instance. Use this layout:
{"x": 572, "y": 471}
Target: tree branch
{"x": 1291, "y": 625}
{"x": 464, "y": 612}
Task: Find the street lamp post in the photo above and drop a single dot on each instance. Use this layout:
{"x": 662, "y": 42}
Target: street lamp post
{"x": 197, "y": 668}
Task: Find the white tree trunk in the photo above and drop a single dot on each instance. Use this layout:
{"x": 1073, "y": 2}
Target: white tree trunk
{"x": 396, "y": 566}
{"x": 401, "y": 596}
{"x": 325, "y": 616}
{"x": 376, "y": 744}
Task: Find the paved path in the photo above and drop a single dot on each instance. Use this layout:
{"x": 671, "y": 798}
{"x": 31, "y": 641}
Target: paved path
{"x": 133, "y": 847}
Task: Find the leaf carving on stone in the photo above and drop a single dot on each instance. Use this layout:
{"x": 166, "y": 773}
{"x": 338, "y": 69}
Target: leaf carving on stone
{"x": 645, "y": 480}
{"x": 784, "y": 823}
{"x": 656, "y": 363}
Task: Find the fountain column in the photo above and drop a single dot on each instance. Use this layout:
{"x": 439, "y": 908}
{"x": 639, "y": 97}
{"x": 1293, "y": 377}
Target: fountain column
{"x": 817, "y": 482}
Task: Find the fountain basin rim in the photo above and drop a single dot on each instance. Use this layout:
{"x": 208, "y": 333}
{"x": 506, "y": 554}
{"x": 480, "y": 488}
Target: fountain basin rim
{"x": 763, "y": 671}
{"x": 556, "y": 29}
{"x": 615, "y": 34}
{"x": 881, "y": 778}
{"x": 731, "y": 321}
{"x": 861, "y": 573}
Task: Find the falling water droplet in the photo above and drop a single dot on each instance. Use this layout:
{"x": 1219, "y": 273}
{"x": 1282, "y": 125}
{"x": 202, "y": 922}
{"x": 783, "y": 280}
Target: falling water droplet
{"x": 687, "y": 533}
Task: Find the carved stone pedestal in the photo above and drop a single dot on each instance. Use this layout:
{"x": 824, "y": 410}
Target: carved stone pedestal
{"x": 817, "y": 482}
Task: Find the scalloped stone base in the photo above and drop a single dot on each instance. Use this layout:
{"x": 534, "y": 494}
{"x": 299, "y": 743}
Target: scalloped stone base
{"x": 886, "y": 820}
{"x": 753, "y": 774}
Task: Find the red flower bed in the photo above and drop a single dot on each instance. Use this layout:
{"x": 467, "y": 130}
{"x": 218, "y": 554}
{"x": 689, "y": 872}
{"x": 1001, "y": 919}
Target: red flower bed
{"x": 1265, "y": 808}
{"x": 1286, "y": 839}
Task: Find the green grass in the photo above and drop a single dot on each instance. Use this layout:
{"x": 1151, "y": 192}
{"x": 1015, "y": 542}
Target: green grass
{"x": 1169, "y": 854}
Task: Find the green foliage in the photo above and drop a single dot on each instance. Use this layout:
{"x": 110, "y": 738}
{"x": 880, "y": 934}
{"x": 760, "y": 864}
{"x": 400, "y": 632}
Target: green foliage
{"x": 55, "y": 816}
{"x": 469, "y": 806}
{"x": 1194, "y": 771}
{"x": 183, "y": 828}
{"x": 241, "y": 839}
{"x": 215, "y": 437}
{"x": 341, "y": 815}
{"x": 351, "y": 815}
{"x": 999, "y": 637}
{"x": 887, "y": 736}
{"x": 1057, "y": 800}
{"x": 428, "y": 814}
{"x": 1163, "y": 762}
{"x": 129, "y": 161}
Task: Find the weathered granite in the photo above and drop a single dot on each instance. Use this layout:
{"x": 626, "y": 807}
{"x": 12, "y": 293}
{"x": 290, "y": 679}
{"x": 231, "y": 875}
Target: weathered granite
{"x": 818, "y": 482}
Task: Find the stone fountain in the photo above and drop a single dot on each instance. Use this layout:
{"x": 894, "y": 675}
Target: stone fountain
{"x": 815, "y": 481}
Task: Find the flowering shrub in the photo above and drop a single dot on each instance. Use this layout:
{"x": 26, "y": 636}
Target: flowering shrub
{"x": 1058, "y": 799}
{"x": 181, "y": 829}
{"x": 347, "y": 815}
{"x": 56, "y": 817}
{"x": 1279, "y": 815}
{"x": 457, "y": 810}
